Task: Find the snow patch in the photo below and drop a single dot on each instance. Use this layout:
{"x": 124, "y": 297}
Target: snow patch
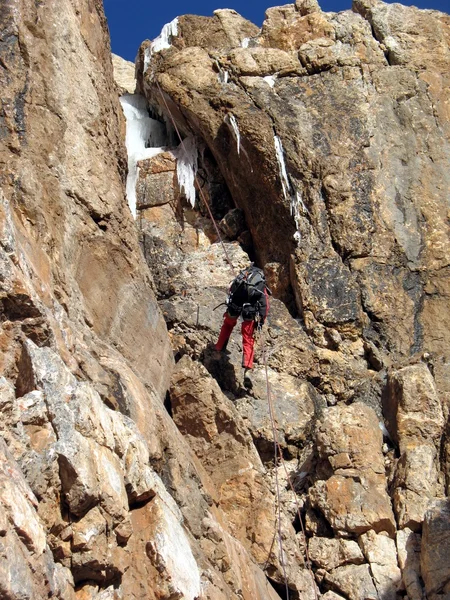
{"x": 270, "y": 80}
{"x": 145, "y": 138}
{"x": 187, "y": 165}
{"x": 169, "y": 31}
{"x": 245, "y": 42}
{"x": 230, "y": 120}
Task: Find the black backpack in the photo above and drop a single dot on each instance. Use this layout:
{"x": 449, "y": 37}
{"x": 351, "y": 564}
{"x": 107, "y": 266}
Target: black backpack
{"x": 247, "y": 287}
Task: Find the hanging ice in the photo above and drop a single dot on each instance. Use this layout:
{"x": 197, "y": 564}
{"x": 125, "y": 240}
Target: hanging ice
{"x": 270, "y": 80}
{"x": 223, "y": 76}
{"x": 245, "y": 43}
{"x": 187, "y": 164}
{"x": 282, "y": 166}
{"x": 230, "y": 119}
{"x": 169, "y": 31}
{"x": 297, "y": 207}
{"x": 145, "y": 138}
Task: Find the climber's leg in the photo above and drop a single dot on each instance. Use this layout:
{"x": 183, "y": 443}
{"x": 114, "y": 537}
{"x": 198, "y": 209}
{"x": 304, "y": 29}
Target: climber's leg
{"x": 248, "y": 344}
{"x": 227, "y": 327}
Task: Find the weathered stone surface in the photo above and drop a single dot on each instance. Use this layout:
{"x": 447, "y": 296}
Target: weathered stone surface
{"x": 329, "y": 553}
{"x": 157, "y": 181}
{"x": 353, "y": 582}
{"x": 329, "y": 131}
{"x": 263, "y": 62}
{"x": 294, "y": 407}
{"x": 169, "y": 551}
{"x": 74, "y": 239}
{"x": 435, "y": 549}
{"x": 381, "y": 553}
{"x": 415, "y": 483}
{"x": 27, "y": 568}
{"x": 326, "y": 288}
{"x": 414, "y": 409}
{"x": 359, "y": 222}
{"x": 408, "y": 549}
{"x": 354, "y": 498}
{"x": 416, "y": 422}
{"x": 124, "y": 74}
{"x": 233, "y": 223}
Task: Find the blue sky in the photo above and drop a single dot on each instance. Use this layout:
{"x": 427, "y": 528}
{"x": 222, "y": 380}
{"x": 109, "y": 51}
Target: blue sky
{"x": 132, "y": 21}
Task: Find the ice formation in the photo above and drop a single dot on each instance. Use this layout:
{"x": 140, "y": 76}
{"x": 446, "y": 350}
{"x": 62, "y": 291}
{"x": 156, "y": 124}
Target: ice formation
{"x": 230, "y": 119}
{"x": 270, "y": 79}
{"x": 222, "y": 76}
{"x": 169, "y": 31}
{"x": 296, "y": 204}
{"x": 145, "y": 138}
{"x": 186, "y": 155}
{"x": 245, "y": 42}
{"x": 282, "y": 166}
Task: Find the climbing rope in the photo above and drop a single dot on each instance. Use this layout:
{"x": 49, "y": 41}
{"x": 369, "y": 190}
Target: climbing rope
{"x": 277, "y": 483}
{"x": 278, "y": 454}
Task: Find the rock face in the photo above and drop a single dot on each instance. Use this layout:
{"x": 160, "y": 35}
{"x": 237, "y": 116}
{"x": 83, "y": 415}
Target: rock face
{"x": 134, "y": 463}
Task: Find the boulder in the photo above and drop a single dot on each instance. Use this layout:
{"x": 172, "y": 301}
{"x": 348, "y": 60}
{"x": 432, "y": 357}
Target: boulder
{"x": 416, "y": 422}
{"x": 157, "y": 183}
{"x": 435, "y": 547}
{"x": 330, "y": 553}
{"x": 354, "y": 498}
{"x": 381, "y": 553}
{"x": 408, "y": 550}
{"x": 353, "y": 582}
{"x": 124, "y": 74}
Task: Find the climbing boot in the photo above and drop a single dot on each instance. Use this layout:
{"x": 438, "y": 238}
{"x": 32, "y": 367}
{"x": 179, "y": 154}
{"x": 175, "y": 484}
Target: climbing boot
{"x": 247, "y": 381}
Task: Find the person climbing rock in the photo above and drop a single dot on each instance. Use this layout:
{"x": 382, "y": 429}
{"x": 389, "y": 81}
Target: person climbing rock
{"x": 248, "y": 298}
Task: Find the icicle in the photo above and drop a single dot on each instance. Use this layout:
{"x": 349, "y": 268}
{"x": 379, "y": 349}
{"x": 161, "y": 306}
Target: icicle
{"x": 296, "y": 204}
{"x": 270, "y": 79}
{"x": 187, "y": 165}
{"x": 282, "y": 166}
{"x": 169, "y": 31}
{"x": 297, "y": 207}
{"x": 245, "y": 42}
{"x": 223, "y": 76}
{"x": 145, "y": 138}
{"x": 230, "y": 119}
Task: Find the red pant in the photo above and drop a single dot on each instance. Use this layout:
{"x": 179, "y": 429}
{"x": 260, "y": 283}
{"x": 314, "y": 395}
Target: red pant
{"x": 248, "y": 342}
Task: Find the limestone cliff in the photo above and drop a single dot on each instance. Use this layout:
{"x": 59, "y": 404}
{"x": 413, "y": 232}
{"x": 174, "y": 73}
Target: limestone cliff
{"x": 133, "y": 462}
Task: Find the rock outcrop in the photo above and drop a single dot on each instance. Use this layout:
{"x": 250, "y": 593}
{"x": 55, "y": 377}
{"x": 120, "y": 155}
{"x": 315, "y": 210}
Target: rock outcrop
{"x": 134, "y": 463}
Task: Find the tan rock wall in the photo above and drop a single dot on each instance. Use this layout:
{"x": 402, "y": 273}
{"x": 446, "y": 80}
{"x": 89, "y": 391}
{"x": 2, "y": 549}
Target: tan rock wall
{"x": 62, "y": 176}
{"x": 340, "y": 174}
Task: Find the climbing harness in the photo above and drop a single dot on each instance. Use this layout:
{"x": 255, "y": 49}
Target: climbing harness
{"x": 260, "y": 337}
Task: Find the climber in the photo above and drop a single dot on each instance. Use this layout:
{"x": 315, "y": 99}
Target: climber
{"x": 248, "y": 297}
